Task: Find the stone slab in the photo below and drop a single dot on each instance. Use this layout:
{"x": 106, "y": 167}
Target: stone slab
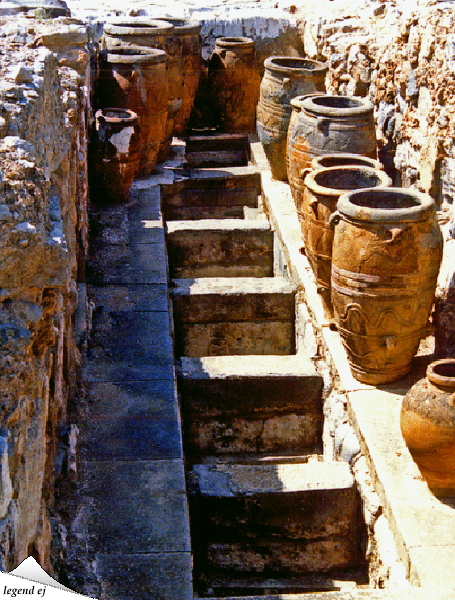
{"x": 282, "y": 558}
{"x": 132, "y": 421}
{"x": 139, "y": 337}
{"x": 130, "y": 264}
{"x": 295, "y": 518}
{"x": 158, "y": 576}
{"x": 130, "y": 297}
{"x": 249, "y": 384}
{"x": 219, "y": 248}
{"x": 411, "y": 593}
{"x": 223, "y": 299}
{"x": 211, "y": 193}
{"x": 234, "y": 404}
{"x": 137, "y": 507}
{"x": 105, "y": 369}
{"x": 115, "y": 228}
{"x": 231, "y": 480}
{"x": 247, "y": 337}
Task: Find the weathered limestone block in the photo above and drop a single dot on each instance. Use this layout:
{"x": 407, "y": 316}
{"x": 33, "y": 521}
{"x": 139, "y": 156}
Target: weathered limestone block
{"x": 212, "y": 194}
{"x": 219, "y": 248}
{"x": 243, "y": 315}
{"x": 279, "y": 518}
{"x": 253, "y": 404}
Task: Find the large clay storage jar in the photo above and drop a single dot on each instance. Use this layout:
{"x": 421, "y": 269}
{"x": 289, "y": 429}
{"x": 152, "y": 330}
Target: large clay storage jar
{"x": 386, "y": 254}
{"x": 136, "y": 78}
{"x": 323, "y": 187}
{"x": 428, "y": 425}
{"x": 189, "y": 34}
{"x": 159, "y": 34}
{"x": 322, "y": 124}
{"x": 234, "y": 82}
{"x": 285, "y": 77}
{"x": 115, "y": 154}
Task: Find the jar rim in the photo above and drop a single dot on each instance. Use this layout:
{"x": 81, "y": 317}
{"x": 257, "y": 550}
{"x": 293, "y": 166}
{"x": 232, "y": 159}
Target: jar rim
{"x": 442, "y": 372}
{"x": 392, "y": 204}
{"x": 289, "y": 65}
{"x": 312, "y": 179}
{"x": 333, "y": 106}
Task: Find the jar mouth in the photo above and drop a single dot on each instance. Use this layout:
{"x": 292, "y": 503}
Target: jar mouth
{"x": 334, "y": 181}
{"x": 338, "y": 160}
{"x": 133, "y": 26}
{"x": 295, "y": 65}
{"x": 234, "y": 41}
{"x": 386, "y": 205}
{"x": 181, "y": 25}
{"x": 116, "y": 114}
{"x": 333, "y": 106}
{"x": 442, "y": 372}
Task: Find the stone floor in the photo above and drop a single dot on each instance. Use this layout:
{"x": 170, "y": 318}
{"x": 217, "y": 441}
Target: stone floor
{"x": 137, "y": 522}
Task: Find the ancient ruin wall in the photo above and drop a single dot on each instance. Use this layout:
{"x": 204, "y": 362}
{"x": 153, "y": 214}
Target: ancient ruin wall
{"x": 43, "y": 107}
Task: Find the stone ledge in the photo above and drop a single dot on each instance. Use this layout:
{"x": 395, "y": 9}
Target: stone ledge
{"x": 423, "y": 527}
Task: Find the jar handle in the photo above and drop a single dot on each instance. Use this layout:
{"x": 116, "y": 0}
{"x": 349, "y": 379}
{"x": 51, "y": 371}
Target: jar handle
{"x": 286, "y": 83}
{"x": 334, "y": 219}
{"x": 395, "y": 233}
{"x": 304, "y": 172}
{"x": 321, "y": 122}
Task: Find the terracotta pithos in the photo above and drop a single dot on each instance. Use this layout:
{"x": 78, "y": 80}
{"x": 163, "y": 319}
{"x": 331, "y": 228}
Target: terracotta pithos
{"x": 386, "y": 254}
{"x": 135, "y": 78}
{"x": 285, "y": 77}
{"x": 189, "y": 33}
{"x": 428, "y": 425}
{"x": 323, "y": 187}
{"x": 322, "y": 124}
{"x": 346, "y": 159}
{"x": 134, "y": 32}
{"x": 234, "y": 82}
{"x": 114, "y": 154}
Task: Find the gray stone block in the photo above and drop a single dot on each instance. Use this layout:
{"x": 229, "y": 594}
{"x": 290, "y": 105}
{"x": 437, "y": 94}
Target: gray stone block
{"x": 211, "y": 194}
{"x": 255, "y": 404}
{"x": 161, "y": 576}
{"x": 225, "y": 316}
{"x": 219, "y": 248}
{"x": 278, "y": 518}
{"x": 132, "y": 421}
{"x": 137, "y": 506}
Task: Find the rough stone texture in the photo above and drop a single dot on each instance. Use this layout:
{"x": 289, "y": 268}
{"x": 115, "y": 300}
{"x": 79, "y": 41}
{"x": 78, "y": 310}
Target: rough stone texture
{"x": 211, "y": 194}
{"x": 44, "y": 104}
{"x": 255, "y": 404}
{"x": 219, "y": 248}
{"x": 242, "y": 315}
{"x": 283, "y": 518}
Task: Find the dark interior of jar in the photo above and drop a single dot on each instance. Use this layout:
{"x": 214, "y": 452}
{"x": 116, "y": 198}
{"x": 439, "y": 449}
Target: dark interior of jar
{"x": 347, "y": 179}
{"x": 445, "y": 369}
{"x": 125, "y": 51}
{"x": 336, "y": 102}
{"x": 232, "y": 40}
{"x": 294, "y": 63}
{"x": 383, "y": 200}
{"x": 142, "y": 25}
{"x": 116, "y": 113}
{"x": 336, "y": 161}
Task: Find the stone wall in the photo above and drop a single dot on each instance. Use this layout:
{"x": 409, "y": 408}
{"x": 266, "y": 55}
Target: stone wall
{"x": 44, "y": 103}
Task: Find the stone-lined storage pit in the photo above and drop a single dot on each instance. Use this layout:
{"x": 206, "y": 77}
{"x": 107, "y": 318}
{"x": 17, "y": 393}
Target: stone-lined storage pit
{"x": 268, "y": 513}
